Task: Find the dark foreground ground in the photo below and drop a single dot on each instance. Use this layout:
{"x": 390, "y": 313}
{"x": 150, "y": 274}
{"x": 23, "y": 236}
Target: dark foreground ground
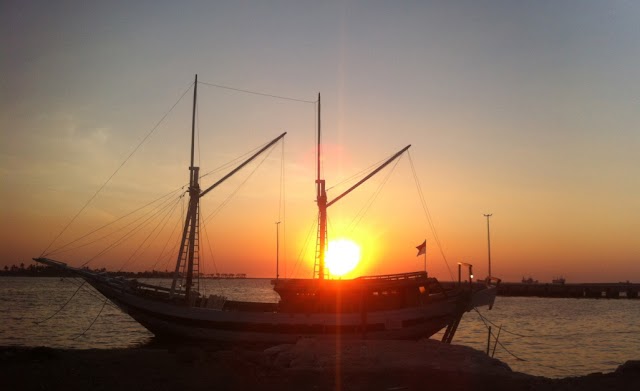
{"x": 308, "y": 365}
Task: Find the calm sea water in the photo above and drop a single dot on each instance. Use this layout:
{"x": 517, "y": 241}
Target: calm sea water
{"x": 548, "y": 337}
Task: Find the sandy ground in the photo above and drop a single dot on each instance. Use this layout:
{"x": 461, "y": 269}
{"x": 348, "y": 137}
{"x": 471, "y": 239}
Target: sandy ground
{"x": 307, "y": 365}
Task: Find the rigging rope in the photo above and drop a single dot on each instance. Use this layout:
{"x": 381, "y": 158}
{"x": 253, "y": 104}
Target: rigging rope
{"x": 428, "y": 215}
{"x": 176, "y": 225}
{"x": 234, "y": 161}
{"x": 60, "y": 249}
{"x": 64, "y": 305}
{"x": 367, "y": 205}
{"x": 162, "y": 222}
{"x": 127, "y": 235}
{"x": 359, "y": 175}
{"x": 116, "y": 171}
{"x": 304, "y": 246}
{"x": 228, "y": 199}
{"x": 89, "y": 290}
{"x": 94, "y": 320}
{"x": 256, "y": 93}
{"x": 213, "y": 261}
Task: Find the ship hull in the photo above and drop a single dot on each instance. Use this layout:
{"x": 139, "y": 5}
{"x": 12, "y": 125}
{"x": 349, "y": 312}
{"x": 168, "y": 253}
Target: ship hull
{"x": 170, "y": 321}
{"x": 168, "y": 316}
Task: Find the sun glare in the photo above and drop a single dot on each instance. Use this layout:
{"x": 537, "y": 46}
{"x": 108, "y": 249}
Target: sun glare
{"x": 342, "y": 257}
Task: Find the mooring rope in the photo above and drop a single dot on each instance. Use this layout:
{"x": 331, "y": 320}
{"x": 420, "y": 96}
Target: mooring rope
{"x": 64, "y": 305}
{"x": 557, "y": 335}
{"x": 94, "y": 320}
{"x": 514, "y": 355}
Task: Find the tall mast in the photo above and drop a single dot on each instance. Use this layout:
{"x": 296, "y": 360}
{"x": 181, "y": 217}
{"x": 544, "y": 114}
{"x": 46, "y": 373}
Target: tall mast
{"x": 189, "y": 245}
{"x": 193, "y": 125}
{"x": 190, "y": 231}
{"x": 321, "y": 199}
{"x": 194, "y": 198}
{"x": 318, "y": 150}
{"x": 323, "y": 203}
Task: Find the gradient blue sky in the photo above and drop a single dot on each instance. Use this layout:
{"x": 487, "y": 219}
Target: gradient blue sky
{"x": 525, "y": 109}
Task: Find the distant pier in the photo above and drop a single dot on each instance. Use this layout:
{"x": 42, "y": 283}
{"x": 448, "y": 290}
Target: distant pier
{"x": 620, "y": 290}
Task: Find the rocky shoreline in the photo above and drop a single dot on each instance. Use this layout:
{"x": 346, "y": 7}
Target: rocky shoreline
{"x": 307, "y": 365}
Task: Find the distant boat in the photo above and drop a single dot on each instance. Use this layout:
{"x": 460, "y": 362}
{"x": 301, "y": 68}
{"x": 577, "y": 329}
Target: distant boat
{"x": 393, "y": 306}
{"x": 529, "y": 280}
{"x": 558, "y": 280}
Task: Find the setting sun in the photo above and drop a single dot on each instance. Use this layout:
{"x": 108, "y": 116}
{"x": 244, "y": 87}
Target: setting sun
{"x": 342, "y": 256}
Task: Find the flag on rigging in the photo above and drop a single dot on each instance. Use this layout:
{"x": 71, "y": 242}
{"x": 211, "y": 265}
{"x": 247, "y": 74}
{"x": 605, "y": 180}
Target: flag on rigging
{"x": 422, "y": 249}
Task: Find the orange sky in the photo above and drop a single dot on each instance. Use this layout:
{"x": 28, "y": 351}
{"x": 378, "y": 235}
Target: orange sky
{"x": 528, "y": 112}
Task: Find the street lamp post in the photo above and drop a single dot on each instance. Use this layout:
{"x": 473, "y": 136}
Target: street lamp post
{"x": 489, "y": 242}
{"x": 277, "y": 250}
{"x": 470, "y": 268}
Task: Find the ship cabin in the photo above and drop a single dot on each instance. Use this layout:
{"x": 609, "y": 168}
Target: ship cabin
{"x": 371, "y": 293}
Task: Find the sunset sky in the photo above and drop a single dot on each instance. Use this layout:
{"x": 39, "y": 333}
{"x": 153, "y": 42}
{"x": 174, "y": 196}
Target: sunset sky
{"x": 526, "y": 110}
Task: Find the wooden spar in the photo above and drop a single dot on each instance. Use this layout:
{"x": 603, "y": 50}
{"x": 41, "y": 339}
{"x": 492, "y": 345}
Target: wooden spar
{"x": 275, "y": 140}
{"x": 374, "y": 172}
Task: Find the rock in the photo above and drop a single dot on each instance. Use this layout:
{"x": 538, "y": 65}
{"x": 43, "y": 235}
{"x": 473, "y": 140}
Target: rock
{"x": 44, "y": 353}
{"x": 190, "y": 355}
{"x": 320, "y": 365}
{"x": 629, "y": 367}
{"x": 8, "y": 353}
{"x": 370, "y": 355}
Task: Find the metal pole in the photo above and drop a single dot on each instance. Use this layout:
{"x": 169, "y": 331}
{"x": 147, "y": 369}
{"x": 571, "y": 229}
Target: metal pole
{"x": 496, "y": 344}
{"x": 488, "y": 242}
{"x": 488, "y": 340}
{"x": 277, "y": 250}
{"x": 425, "y": 261}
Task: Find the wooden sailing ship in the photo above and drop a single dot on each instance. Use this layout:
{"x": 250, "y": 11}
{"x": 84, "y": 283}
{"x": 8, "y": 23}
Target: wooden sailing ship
{"x": 395, "y": 306}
